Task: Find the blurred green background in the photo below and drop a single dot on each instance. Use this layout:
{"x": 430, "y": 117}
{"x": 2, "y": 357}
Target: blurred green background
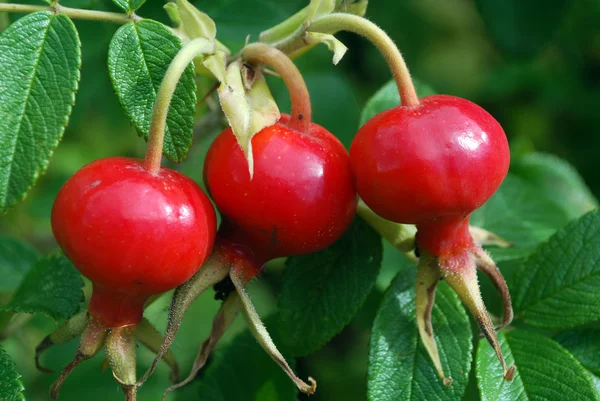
{"x": 534, "y": 65}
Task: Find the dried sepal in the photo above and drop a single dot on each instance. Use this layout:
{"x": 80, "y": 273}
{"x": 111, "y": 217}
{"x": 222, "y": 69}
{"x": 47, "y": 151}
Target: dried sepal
{"x": 91, "y": 342}
{"x": 71, "y": 329}
{"x": 428, "y": 276}
{"x": 121, "y": 351}
{"x": 247, "y": 111}
{"x": 151, "y": 338}
{"x": 261, "y": 334}
{"x": 222, "y": 321}
{"x": 213, "y": 271}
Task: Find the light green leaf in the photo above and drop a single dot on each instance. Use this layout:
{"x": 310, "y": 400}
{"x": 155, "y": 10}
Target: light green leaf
{"x": 399, "y": 366}
{"x": 337, "y": 47}
{"x": 138, "y": 57}
{"x": 129, "y": 5}
{"x": 556, "y": 180}
{"x": 52, "y": 287}
{"x": 223, "y": 379}
{"x": 317, "y": 8}
{"x": 388, "y": 97}
{"x": 545, "y": 370}
{"x": 323, "y": 291}
{"x": 40, "y": 58}
{"x": 521, "y": 215}
{"x": 558, "y": 285}
{"x": 584, "y": 344}
{"x": 16, "y": 258}
{"x": 195, "y": 23}
{"x": 247, "y": 111}
{"x": 11, "y": 388}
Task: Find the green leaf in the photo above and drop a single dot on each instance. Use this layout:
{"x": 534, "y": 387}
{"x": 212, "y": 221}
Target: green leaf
{"x": 519, "y": 214}
{"x": 11, "y": 388}
{"x": 388, "y": 97}
{"x": 138, "y": 57}
{"x": 584, "y": 344}
{"x": 399, "y": 366}
{"x": 40, "y": 58}
{"x": 323, "y": 291}
{"x": 16, "y": 258}
{"x": 52, "y": 287}
{"x": 558, "y": 285}
{"x": 129, "y": 5}
{"x": 545, "y": 370}
{"x": 557, "y": 181}
{"x": 242, "y": 370}
{"x": 515, "y": 24}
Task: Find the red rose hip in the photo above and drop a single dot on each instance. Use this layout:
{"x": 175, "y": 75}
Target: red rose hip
{"x": 132, "y": 233}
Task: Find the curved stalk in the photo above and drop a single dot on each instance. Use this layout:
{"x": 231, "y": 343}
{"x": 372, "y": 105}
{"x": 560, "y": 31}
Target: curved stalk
{"x": 74, "y": 13}
{"x": 260, "y": 53}
{"x": 333, "y": 23}
{"x": 156, "y": 136}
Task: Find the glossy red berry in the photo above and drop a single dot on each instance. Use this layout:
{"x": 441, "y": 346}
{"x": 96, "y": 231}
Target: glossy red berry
{"x": 301, "y": 198}
{"x": 132, "y": 233}
{"x": 443, "y": 158}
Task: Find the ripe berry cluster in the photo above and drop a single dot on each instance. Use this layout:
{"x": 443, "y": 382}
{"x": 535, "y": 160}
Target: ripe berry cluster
{"x": 137, "y": 230}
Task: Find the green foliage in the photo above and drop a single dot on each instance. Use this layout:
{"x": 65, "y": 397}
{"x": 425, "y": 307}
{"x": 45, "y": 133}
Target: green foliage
{"x": 321, "y": 292}
{"x": 520, "y": 214}
{"x": 557, "y": 181}
{"x": 399, "y": 366}
{"x": 558, "y": 286}
{"x": 545, "y": 370}
{"x": 516, "y": 25}
{"x": 388, "y": 97}
{"x": 52, "y": 287}
{"x": 129, "y": 5}
{"x": 16, "y": 258}
{"x": 138, "y": 57}
{"x": 584, "y": 344}
{"x": 40, "y": 57}
{"x": 243, "y": 371}
{"x": 11, "y": 388}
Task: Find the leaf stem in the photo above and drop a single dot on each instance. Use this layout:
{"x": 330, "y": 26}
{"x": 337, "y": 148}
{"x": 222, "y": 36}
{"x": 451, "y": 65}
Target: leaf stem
{"x": 260, "y": 53}
{"x": 74, "y": 13}
{"x": 156, "y": 136}
{"x": 333, "y": 23}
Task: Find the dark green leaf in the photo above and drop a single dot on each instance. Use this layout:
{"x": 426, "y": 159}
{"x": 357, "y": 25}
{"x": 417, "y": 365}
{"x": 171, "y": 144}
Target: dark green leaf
{"x": 388, "y": 97}
{"x": 557, "y": 181}
{"x": 138, "y": 57}
{"x": 242, "y": 370}
{"x": 521, "y": 215}
{"x": 11, "y": 388}
{"x": 40, "y": 57}
{"x": 16, "y": 258}
{"x": 52, "y": 287}
{"x": 584, "y": 344}
{"x": 558, "y": 285}
{"x": 516, "y": 25}
{"x": 399, "y": 366}
{"x": 322, "y": 291}
{"x": 545, "y": 370}
{"x": 129, "y": 5}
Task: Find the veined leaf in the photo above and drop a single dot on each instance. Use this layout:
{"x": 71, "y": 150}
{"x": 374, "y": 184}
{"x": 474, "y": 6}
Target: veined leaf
{"x": 129, "y": 5}
{"x": 40, "y": 58}
{"x": 138, "y": 57}
{"x": 11, "y": 388}
{"x": 323, "y": 291}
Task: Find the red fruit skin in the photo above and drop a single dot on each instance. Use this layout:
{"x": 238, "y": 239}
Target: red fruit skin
{"x": 133, "y": 234}
{"x": 301, "y": 198}
{"x": 441, "y": 159}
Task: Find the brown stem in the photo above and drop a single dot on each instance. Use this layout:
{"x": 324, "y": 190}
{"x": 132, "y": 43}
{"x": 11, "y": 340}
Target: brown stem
{"x": 260, "y": 53}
